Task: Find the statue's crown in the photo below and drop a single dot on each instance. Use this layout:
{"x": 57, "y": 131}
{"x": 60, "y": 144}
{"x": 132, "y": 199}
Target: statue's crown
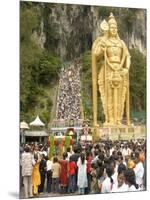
{"x": 111, "y": 19}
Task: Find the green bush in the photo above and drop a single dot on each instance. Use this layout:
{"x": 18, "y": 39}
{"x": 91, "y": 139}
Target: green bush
{"x": 138, "y": 81}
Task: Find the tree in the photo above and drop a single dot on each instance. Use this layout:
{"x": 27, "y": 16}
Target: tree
{"x": 39, "y": 68}
{"x": 138, "y": 81}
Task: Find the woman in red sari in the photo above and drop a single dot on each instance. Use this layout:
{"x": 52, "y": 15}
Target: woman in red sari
{"x": 64, "y": 173}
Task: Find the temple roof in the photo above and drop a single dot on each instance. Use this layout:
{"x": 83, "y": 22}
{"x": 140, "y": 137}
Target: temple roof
{"x": 37, "y": 122}
{"x": 24, "y": 125}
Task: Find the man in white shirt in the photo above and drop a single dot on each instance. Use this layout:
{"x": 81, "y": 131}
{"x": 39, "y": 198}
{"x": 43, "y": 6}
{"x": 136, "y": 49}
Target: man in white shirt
{"x": 120, "y": 185}
{"x": 68, "y": 153}
{"x": 49, "y": 174}
{"x": 139, "y": 171}
{"x": 125, "y": 151}
{"x": 114, "y": 172}
{"x": 27, "y": 162}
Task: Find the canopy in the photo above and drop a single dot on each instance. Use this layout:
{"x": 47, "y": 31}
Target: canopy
{"x": 24, "y": 125}
{"x": 37, "y": 122}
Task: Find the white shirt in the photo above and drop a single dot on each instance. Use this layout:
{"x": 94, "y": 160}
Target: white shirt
{"x": 129, "y": 151}
{"x": 114, "y": 177}
{"x": 49, "y": 165}
{"x": 125, "y": 152}
{"x": 132, "y": 189}
{"x": 95, "y": 159}
{"x": 45, "y": 153}
{"x": 139, "y": 173}
{"x": 123, "y": 188}
{"x": 106, "y": 186}
{"x": 116, "y": 168}
{"x": 69, "y": 154}
{"x": 111, "y": 150}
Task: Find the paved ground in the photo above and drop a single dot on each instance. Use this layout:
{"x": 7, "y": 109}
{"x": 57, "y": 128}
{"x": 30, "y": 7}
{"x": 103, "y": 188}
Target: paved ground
{"x": 45, "y": 194}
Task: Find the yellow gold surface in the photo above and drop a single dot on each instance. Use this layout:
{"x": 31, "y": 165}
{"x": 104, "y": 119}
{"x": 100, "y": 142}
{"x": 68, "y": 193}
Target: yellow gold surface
{"x": 113, "y": 78}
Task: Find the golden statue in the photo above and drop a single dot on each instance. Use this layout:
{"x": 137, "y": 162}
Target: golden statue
{"x": 113, "y": 78}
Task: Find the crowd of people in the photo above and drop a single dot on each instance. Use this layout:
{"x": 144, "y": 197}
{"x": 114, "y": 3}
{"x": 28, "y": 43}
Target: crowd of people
{"x": 85, "y": 168}
{"x": 68, "y": 104}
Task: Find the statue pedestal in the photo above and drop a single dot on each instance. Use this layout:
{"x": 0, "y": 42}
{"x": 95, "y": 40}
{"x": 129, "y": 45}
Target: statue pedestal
{"x": 121, "y": 132}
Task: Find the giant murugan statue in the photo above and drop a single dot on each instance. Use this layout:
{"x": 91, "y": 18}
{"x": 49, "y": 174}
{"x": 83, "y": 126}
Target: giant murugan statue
{"x": 113, "y": 79}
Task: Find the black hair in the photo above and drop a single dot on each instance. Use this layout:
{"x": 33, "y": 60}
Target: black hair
{"x": 99, "y": 163}
{"x": 100, "y": 169}
{"x": 101, "y": 156}
{"x": 75, "y": 149}
{"x": 137, "y": 155}
{"x": 88, "y": 153}
{"x": 27, "y": 149}
{"x": 111, "y": 161}
{"x": 46, "y": 157}
{"x": 130, "y": 177}
{"x": 121, "y": 168}
{"x": 109, "y": 171}
{"x": 106, "y": 161}
{"x": 115, "y": 157}
{"x": 55, "y": 159}
{"x": 120, "y": 157}
{"x": 71, "y": 159}
{"x": 65, "y": 155}
{"x": 82, "y": 158}
{"x": 93, "y": 165}
{"x": 119, "y": 153}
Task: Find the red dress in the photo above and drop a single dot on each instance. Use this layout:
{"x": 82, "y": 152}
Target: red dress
{"x": 64, "y": 172}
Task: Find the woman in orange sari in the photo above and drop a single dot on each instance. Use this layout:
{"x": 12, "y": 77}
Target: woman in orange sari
{"x": 36, "y": 178}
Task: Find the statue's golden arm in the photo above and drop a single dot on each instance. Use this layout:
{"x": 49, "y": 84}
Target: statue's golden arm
{"x": 128, "y": 62}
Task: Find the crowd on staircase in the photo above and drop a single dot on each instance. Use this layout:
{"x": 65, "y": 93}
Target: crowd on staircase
{"x": 68, "y": 103}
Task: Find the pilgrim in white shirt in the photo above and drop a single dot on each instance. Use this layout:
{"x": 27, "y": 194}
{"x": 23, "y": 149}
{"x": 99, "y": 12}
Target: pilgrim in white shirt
{"x": 139, "y": 173}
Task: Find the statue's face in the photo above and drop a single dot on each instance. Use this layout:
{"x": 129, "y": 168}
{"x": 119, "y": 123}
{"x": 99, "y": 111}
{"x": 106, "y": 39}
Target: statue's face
{"x": 113, "y": 29}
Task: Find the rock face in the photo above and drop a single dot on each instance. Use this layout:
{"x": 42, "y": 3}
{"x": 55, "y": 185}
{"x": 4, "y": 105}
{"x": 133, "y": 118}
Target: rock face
{"x": 40, "y": 37}
{"x": 137, "y": 37}
{"x": 69, "y": 30}
{"x": 72, "y": 30}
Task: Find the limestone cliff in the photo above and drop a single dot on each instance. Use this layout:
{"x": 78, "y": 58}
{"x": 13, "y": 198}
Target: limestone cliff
{"x": 69, "y": 30}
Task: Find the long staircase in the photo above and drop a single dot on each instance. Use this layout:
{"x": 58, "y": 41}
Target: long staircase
{"x": 68, "y": 106}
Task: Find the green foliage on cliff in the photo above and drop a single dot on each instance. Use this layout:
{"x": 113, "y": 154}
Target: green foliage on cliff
{"x": 138, "y": 81}
{"x": 86, "y": 86}
{"x": 39, "y": 68}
